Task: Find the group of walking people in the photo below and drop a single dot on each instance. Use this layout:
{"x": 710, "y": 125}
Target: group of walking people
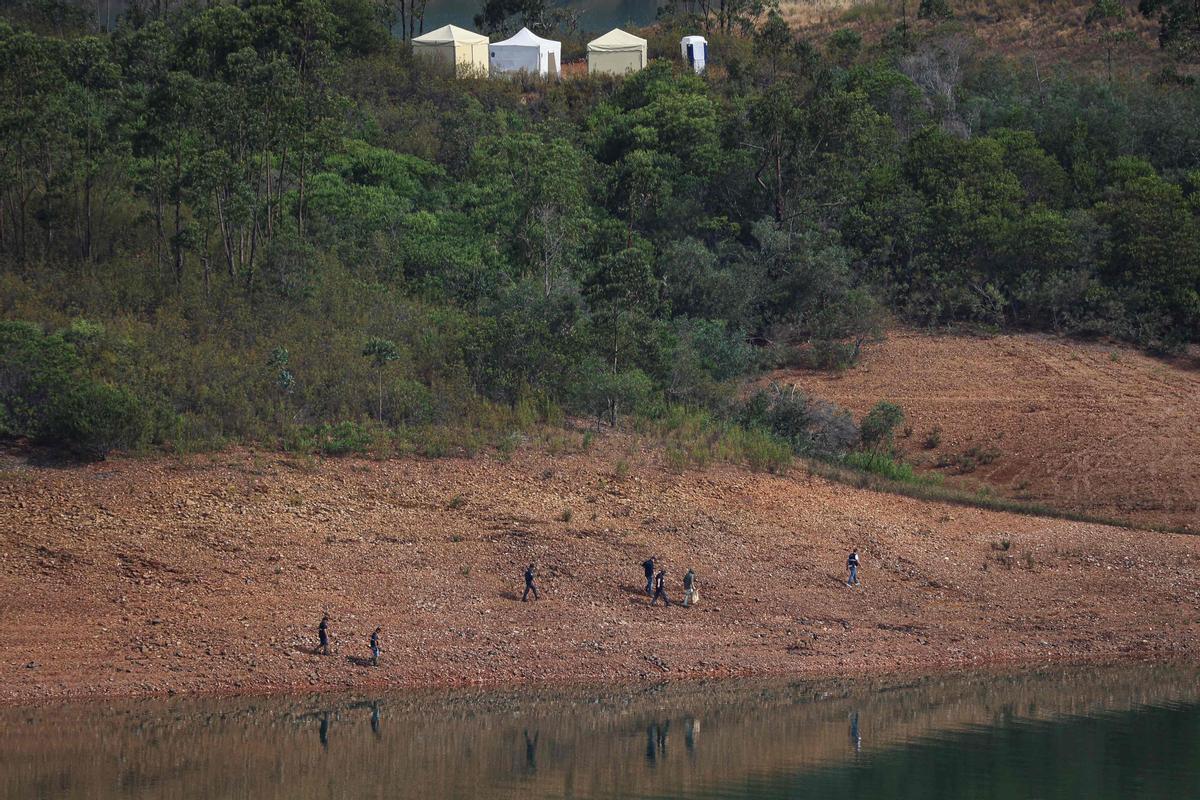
{"x": 656, "y": 584}
{"x": 656, "y": 587}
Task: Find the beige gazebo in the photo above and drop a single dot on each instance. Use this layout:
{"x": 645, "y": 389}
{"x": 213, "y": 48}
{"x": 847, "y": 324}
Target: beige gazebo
{"x": 460, "y": 51}
{"x": 616, "y": 53}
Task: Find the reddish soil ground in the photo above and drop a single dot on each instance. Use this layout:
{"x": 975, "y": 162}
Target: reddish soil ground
{"x": 1049, "y": 32}
{"x": 1094, "y": 428}
{"x": 210, "y": 573}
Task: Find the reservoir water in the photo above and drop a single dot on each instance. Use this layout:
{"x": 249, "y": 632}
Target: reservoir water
{"x": 1084, "y": 733}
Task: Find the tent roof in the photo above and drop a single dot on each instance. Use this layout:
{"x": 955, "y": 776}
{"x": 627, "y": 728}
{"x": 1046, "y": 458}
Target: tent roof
{"x": 617, "y": 39}
{"x": 450, "y": 33}
{"x": 527, "y": 38}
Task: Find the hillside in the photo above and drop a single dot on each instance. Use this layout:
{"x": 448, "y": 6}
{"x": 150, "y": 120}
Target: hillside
{"x": 1087, "y": 427}
{"x": 1047, "y": 32}
{"x": 209, "y": 574}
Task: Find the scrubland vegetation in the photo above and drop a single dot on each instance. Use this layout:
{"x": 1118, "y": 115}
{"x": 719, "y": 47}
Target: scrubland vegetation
{"x": 261, "y": 221}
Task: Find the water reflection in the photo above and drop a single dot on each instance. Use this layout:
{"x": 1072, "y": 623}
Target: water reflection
{"x": 968, "y": 736}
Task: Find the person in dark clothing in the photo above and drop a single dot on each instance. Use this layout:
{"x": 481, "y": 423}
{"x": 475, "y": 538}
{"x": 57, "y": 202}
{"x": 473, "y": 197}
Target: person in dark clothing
{"x": 852, "y": 565}
{"x": 323, "y": 635}
{"x": 660, "y": 588}
{"x": 529, "y": 587}
{"x": 375, "y": 648}
{"x": 648, "y": 566}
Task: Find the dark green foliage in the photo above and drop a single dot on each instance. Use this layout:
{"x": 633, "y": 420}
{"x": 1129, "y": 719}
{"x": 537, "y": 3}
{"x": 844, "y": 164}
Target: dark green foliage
{"x": 285, "y": 222}
{"x": 934, "y": 9}
{"x": 47, "y": 396}
{"x": 1179, "y": 25}
{"x": 878, "y": 427}
{"x": 811, "y": 427}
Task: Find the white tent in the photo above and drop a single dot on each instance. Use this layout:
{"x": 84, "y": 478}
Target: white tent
{"x": 526, "y": 51}
{"x": 460, "y": 51}
{"x": 616, "y": 53}
{"x": 695, "y": 51}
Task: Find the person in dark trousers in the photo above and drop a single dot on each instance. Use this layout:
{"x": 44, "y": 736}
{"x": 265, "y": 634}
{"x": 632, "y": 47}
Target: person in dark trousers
{"x": 660, "y": 588}
{"x": 852, "y": 565}
{"x": 648, "y": 566}
{"x": 529, "y": 587}
{"x": 375, "y": 648}
{"x": 323, "y": 635}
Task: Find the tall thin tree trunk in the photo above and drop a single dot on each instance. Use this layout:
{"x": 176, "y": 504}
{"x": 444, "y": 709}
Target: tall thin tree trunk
{"x": 176, "y": 239}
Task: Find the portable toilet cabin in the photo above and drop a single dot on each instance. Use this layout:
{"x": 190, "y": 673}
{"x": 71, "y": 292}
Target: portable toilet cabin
{"x": 695, "y": 51}
{"x": 526, "y": 52}
{"x": 616, "y": 53}
{"x": 459, "y": 51}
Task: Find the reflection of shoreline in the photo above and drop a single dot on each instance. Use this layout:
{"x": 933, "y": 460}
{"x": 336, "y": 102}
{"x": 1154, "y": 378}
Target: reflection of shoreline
{"x": 443, "y": 744}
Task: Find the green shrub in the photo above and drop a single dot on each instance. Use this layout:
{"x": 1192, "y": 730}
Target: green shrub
{"x": 888, "y": 467}
{"x": 343, "y": 438}
{"x": 47, "y": 396}
{"x": 878, "y": 426}
{"x": 934, "y": 9}
{"x": 933, "y": 438}
{"x": 677, "y": 458}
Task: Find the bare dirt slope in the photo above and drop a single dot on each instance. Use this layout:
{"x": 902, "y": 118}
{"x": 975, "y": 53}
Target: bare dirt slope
{"x": 210, "y": 573}
{"x": 1048, "y": 32}
{"x": 1087, "y": 427}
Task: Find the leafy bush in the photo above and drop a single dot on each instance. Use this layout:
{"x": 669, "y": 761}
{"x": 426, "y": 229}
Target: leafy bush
{"x": 933, "y": 438}
{"x": 812, "y": 427}
{"x": 888, "y": 467}
{"x": 878, "y": 427}
{"x": 46, "y": 395}
{"x": 343, "y": 438}
{"x": 934, "y": 9}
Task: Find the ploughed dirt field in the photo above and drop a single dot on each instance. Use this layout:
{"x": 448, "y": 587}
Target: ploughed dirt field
{"x": 210, "y": 573}
{"x": 1086, "y": 427}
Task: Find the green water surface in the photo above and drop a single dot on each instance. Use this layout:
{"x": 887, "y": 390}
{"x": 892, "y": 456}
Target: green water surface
{"x": 1082, "y": 733}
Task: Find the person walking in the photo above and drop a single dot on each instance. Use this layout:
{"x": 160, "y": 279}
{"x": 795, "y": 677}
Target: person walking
{"x": 660, "y": 588}
{"x": 375, "y": 648}
{"x": 323, "y": 635}
{"x": 852, "y": 564}
{"x": 690, "y": 595}
{"x": 648, "y": 567}
{"x": 529, "y": 587}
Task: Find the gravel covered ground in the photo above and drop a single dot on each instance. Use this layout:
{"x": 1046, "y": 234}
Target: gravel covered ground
{"x": 1090, "y": 427}
{"x": 210, "y": 573}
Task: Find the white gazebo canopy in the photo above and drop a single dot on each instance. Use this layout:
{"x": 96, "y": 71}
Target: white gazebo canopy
{"x": 526, "y": 51}
{"x": 450, "y": 46}
{"x": 617, "y": 53}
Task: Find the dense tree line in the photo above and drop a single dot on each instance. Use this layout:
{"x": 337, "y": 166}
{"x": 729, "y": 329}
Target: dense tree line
{"x": 266, "y": 217}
